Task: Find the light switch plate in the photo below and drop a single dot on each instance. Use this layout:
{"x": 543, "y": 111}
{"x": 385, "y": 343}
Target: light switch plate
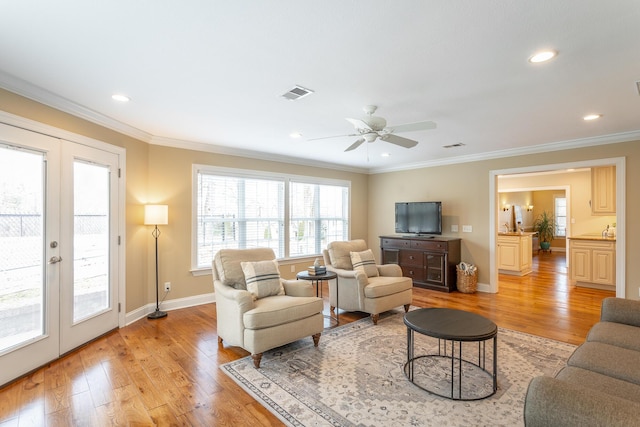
{"x": 454, "y": 228}
{"x": 467, "y": 229}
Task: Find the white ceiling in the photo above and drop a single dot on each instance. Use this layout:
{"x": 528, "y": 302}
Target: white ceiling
{"x": 213, "y": 72}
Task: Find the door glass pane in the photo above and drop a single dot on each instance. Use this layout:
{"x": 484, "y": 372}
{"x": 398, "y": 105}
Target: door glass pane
{"x": 91, "y": 240}
{"x": 22, "y": 265}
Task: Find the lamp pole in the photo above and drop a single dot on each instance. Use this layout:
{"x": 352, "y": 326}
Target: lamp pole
{"x": 157, "y": 314}
{"x": 156, "y": 215}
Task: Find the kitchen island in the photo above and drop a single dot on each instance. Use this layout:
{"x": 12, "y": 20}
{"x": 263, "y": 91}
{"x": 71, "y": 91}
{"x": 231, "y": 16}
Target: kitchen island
{"x": 515, "y": 253}
{"x": 592, "y": 261}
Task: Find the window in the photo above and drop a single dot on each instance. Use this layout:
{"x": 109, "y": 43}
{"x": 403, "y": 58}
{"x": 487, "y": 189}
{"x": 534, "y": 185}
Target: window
{"x": 560, "y": 216}
{"x": 295, "y": 216}
{"x": 318, "y": 215}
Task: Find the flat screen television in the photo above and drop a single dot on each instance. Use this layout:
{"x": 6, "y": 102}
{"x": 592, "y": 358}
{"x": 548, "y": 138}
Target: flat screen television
{"x": 419, "y": 217}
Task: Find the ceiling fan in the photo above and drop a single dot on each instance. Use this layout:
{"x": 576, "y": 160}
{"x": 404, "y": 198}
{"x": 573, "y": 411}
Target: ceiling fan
{"x": 371, "y": 127}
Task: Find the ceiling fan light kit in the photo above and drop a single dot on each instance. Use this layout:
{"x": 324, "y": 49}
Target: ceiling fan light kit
{"x": 371, "y": 127}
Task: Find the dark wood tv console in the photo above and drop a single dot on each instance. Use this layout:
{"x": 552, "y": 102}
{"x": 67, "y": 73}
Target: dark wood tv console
{"x": 429, "y": 260}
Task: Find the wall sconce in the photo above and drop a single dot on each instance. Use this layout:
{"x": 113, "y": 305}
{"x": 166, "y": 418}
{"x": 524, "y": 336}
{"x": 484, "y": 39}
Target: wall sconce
{"x": 506, "y": 208}
{"x": 529, "y": 208}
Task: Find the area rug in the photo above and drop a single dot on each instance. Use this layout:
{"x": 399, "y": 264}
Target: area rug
{"x": 356, "y": 378}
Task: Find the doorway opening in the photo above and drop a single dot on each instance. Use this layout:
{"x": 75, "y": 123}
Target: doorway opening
{"x": 543, "y": 170}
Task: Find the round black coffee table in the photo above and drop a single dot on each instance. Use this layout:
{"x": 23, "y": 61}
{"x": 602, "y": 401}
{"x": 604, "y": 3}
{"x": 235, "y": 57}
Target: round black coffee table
{"x": 456, "y": 326}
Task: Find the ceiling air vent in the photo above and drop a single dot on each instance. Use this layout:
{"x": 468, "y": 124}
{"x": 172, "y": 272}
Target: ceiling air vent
{"x": 296, "y": 93}
{"x": 458, "y": 144}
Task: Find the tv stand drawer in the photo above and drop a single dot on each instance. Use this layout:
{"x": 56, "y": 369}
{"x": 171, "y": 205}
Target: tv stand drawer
{"x": 396, "y": 243}
{"x": 430, "y": 245}
{"x": 412, "y": 258}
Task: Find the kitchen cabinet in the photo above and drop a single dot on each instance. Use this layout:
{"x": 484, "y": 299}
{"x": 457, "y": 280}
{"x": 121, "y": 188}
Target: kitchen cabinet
{"x": 603, "y": 190}
{"x": 515, "y": 253}
{"x": 592, "y": 262}
{"x": 429, "y": 261}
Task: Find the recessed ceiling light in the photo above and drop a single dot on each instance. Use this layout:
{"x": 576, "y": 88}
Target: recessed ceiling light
{"x": 589, "y": 117}
{"x": 295, "y": 134}
{"x": 120, "y": 97}
{"x": 385, "y": 155}
{"x": 542, "y": 56}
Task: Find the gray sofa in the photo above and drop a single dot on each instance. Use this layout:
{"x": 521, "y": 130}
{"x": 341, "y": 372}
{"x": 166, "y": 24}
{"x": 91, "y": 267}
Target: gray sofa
{"x": 600, "y": 385}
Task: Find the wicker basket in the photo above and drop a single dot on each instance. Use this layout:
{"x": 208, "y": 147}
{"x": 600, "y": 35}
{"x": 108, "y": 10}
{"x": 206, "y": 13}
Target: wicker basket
{"x": 467, "y": 283}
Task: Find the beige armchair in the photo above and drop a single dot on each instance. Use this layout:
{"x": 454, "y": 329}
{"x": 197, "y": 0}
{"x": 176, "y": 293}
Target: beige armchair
{"x": 363, "y": 285}
{"x": 256, "y": 309}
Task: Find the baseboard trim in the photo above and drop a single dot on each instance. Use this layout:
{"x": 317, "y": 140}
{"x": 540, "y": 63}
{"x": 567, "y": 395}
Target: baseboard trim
{"x": 168, "y": 305}
{"x": 483, "y": 287}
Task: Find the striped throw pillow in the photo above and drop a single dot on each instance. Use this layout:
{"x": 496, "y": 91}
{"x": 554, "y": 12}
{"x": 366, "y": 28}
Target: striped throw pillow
{"x": 263, "y": 278}
{"x": 364, "y": 261}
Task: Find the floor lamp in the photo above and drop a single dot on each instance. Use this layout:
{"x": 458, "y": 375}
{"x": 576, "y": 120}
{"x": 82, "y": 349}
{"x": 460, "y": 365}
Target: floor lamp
{"x": 156, "y": 215}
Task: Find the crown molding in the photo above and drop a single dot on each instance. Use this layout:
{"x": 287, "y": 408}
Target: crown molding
{"x": 511, "y": 152}
{"x": 257, "y": 155}
{"x": 36, "y": 93}
{"x": 43, "y": 96}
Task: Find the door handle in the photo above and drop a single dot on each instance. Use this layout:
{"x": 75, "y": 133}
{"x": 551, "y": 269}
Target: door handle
{"x": 55, "y": 259}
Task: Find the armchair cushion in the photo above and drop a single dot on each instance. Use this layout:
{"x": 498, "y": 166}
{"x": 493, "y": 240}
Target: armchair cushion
{"x": 365, "y": 262}
{"x": 340, "y": 252}
{"x": 384, "y": 286}
{"x": 262, "y": 278}
{"x": 229, "y": 270}
{"x": 281, "y": 310}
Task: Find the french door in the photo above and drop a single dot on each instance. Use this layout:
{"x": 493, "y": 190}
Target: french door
{"x": 58, "y": 247}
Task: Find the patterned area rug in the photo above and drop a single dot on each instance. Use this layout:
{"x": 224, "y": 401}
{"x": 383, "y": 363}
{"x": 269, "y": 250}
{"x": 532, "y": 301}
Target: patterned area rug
{"x": 356, "y": 378}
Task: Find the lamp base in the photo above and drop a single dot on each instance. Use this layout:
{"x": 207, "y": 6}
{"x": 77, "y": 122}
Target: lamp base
{"x": 157, "y": 314}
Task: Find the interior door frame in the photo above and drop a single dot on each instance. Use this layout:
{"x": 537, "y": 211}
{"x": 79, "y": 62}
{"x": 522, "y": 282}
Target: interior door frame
{"x": 34, "y": 126}
{"x": 618, "y": 162}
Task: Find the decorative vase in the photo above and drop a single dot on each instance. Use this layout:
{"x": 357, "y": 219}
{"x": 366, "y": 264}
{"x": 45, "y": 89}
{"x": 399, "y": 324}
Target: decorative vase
{"x": 545, "y": 245}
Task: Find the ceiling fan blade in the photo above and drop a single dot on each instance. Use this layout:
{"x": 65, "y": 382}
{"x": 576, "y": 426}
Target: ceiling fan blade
{"x": 334, "y": 136}
{"x": 359, "y": 124}
{"x": 410, "y": 127}
{"x": 398, "y": 140}
{"x": 355, "y": 145}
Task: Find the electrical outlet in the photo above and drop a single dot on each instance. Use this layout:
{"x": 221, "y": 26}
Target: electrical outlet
{"x": 454, "y": 228}
{"x": 293, "y": 268}
{"x": 167, "y": 286}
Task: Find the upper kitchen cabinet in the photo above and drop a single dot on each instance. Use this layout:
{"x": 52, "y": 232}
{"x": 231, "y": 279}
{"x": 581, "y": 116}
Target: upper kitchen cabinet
{"x": 603, "y": 190}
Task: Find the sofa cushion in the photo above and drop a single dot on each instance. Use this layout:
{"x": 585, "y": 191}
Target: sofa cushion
{"x": 589, "y": 379}
{"x": 281, "y": 309}
{"x": 382, "y": 286}
{"x": 227, "y": 262}
{"x": 606, "y": 359}
{"x": 617, "y": 334}
{"x": 262, "y": 278}
{"x": 365, "y": 262}
{"x": 340, "y": 252}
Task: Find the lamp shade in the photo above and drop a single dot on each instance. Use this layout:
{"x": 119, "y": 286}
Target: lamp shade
{"x": 156, "y": 215}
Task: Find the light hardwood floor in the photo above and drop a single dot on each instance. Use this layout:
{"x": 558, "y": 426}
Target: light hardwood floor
{"x": 165, "y": 372}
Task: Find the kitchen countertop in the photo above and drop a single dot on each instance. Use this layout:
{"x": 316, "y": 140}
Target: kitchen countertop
{"x": 594, "y": 236}
{"x": 516, "y": 233}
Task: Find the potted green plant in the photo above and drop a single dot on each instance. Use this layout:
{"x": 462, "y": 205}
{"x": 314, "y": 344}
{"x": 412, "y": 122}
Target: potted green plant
{"x": 545, "y": 228}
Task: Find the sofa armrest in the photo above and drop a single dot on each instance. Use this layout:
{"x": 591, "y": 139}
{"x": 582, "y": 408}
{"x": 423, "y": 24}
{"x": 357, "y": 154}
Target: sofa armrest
{"x": 619, "y": 310}
{"x": 553, "y": 402}
{"x": 390, "y": 270}
{"x": 298, "y": 288}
